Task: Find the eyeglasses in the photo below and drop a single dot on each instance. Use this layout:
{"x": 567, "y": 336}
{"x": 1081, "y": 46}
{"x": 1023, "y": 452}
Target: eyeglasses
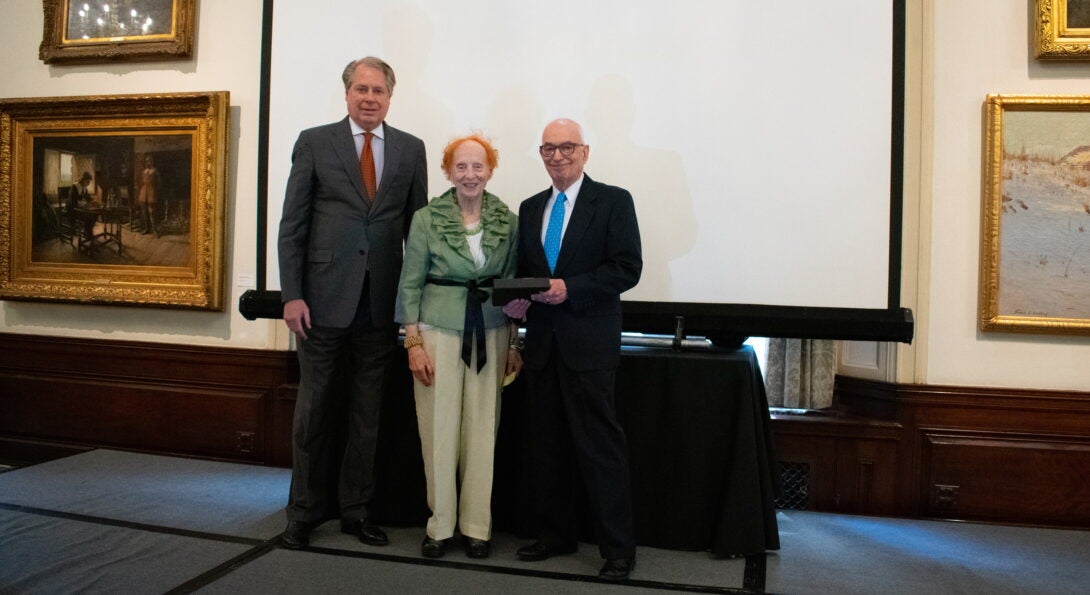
{"x": 566, "y": 149}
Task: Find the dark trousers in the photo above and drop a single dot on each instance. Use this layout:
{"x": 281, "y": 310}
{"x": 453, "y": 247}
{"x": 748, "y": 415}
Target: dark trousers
{"x": 342, "y": 372}
{"x": 575, "y": 434}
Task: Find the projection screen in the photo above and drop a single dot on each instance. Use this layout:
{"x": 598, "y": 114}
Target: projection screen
{"x": 755, "y": 137}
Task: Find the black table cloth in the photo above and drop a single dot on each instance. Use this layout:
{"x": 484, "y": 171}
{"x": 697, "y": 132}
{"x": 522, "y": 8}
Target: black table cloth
{"x": 703, "y": 462}
{"x": 704, "y": 468}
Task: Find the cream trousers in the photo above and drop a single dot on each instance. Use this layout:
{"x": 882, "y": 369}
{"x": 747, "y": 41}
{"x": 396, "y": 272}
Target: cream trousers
{"x": 458, "y": 416}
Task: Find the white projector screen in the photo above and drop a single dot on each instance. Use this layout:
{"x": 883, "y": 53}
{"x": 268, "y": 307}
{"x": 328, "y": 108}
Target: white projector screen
{"x": 755, "y": 136}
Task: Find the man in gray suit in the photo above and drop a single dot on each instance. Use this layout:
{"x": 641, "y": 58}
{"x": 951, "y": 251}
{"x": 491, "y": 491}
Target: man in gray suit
{"x": 353, "y": 188}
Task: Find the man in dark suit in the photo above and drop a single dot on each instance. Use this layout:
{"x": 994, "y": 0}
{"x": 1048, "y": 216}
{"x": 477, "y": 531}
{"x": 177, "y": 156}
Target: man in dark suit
{"x": 582, "y": 235}
{"x": 353, "y": 188}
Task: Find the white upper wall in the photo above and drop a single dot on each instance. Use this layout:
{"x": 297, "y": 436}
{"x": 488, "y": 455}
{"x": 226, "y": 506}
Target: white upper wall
{"x": 227, "y": 57}
{"x": 982, "y": 47}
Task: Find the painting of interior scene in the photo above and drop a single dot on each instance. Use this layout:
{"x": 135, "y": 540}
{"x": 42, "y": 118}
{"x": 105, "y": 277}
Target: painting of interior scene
{"x": 1078, "y": 14}
{"x": 113, "y": 200}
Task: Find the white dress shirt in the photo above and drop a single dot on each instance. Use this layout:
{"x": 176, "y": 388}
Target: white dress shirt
{"x": 378, "y": 142}
{"x": 571, "y": 193}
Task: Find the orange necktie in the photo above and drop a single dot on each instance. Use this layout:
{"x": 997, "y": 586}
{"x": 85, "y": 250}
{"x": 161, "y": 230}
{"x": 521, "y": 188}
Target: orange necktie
{"x": 367, "y": 166}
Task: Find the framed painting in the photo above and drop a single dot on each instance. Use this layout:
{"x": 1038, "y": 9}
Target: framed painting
{"x": 1062, "y": 29}
{"x": 114, "y": 199}
{"x": 1035, "y": 254}
{"x": 104, "y": 31}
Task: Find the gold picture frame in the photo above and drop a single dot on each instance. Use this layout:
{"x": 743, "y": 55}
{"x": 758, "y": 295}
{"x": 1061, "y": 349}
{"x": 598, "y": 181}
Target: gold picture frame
{"x": 1035, "y": 232}
{"x": 1062, "y": 29}
{"x": 83, "y": 32}
{"x": 114, "y": 199}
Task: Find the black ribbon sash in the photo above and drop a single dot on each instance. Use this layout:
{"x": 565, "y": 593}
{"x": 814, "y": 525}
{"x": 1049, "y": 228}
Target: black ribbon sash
{"x": 474, "y": 320}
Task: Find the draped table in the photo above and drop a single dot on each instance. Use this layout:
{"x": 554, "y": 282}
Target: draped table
{"x": 702, "y": 457}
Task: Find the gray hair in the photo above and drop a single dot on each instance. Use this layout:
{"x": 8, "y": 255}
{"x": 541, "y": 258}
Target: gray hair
{"x": 370, "y": 62}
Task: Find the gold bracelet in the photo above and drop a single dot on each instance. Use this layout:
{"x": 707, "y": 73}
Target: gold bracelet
{"x": 414, "y": 341}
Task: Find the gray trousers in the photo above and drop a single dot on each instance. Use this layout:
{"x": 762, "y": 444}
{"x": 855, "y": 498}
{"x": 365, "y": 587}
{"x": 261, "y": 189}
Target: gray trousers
{"x": 342, "y": 374}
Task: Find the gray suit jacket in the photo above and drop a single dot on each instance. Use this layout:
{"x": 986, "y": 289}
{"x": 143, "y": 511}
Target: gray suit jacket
{"x": 330, "y": 238}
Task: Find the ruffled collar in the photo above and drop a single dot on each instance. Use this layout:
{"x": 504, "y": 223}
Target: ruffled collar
{"x": 446, "y": 219}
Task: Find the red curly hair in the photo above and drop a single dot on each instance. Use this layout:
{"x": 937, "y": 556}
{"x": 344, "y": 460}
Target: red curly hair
{"x": 490, "y": 152}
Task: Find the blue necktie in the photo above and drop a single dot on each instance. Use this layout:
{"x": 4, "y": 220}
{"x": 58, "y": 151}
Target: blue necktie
{"x": 554, "y": 231}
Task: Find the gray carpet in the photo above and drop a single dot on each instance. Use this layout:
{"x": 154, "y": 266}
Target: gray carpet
{"x": 115, "y": 522}
{"x": 278, "y": 572}
{"x": 826, "y": 553}
{"x": 662, "y": 567}
{"x": 41, "y": 554}
{"x": 190, "y": 494}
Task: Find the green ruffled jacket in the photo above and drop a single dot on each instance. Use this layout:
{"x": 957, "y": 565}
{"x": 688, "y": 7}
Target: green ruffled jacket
{"x": 437, "y": 247}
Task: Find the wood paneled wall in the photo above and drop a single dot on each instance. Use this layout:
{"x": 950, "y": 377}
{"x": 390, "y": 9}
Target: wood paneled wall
{"x": 1019, "y": 456}
{"x": 198, "y": 401}
{"x": 1002, "y": 455}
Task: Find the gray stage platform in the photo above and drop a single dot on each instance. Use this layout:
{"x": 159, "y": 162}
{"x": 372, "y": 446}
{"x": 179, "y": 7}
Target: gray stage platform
{"x": 116, "y": 522}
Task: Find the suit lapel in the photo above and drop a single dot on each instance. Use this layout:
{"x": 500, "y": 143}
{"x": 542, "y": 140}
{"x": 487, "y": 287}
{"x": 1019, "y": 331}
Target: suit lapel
{"x": 581, "y": 217}
{"x": 345, "y": 148}
{"x": 535, "y": 219}
{"x": 391, "y": 159}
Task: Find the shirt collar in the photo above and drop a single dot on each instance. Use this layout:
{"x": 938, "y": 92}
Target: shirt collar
{"x": 572, "y": 192}
{"x": 379, "y": 131}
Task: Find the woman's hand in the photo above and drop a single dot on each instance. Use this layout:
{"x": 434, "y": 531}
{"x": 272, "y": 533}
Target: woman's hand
{"x": 514, "y": 362}
{"x": 421, "y": 366}
{"x": 516, "y": 309}
{"x": 419, "y": 362}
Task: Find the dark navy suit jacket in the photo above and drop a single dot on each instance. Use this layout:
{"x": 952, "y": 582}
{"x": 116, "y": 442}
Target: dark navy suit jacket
{"x": 599, "y": 259}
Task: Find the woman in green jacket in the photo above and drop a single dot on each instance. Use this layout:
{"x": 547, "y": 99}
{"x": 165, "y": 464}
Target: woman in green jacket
{"x": 460, "y": 346}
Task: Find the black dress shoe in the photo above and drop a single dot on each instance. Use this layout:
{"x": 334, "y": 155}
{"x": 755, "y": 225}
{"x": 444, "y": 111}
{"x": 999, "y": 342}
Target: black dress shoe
{"x": 365, "y": 531}
{"x": 477, "y": 548}
{"x": 617, "y": 569}
{"x": 296, "y": 535}
{"x": 539, "y": 550}
{"x": 433, "y": 548}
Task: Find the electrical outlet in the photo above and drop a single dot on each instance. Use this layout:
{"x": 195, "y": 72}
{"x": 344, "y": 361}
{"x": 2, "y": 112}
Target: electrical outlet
{"x": 944, "y": 498}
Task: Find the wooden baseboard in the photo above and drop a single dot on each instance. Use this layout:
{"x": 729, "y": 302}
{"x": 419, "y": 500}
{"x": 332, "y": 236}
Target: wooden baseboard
{"x": 19, "y": 453}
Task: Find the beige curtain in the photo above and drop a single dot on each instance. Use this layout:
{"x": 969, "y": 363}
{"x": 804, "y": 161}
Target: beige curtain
{"x": 800, "y": 373}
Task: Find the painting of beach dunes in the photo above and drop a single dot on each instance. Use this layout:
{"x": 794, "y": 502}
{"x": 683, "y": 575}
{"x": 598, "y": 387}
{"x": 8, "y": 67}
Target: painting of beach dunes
{"x": 1037, "y": 216}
